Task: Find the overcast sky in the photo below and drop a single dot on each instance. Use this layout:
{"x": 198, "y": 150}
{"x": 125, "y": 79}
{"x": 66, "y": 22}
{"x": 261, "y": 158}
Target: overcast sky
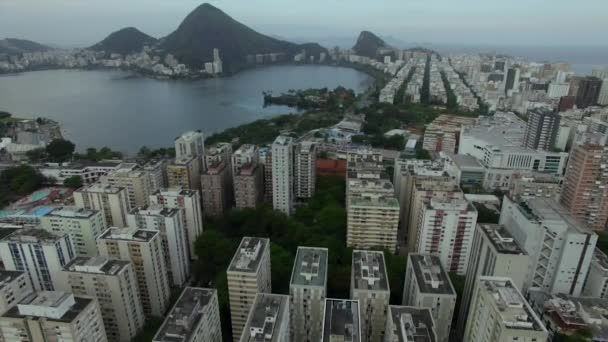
{"x": 508, "y": 22}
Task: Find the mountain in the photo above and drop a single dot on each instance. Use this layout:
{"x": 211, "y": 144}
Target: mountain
{"x": 368, "y": 44}
{"x": 207, "y": 28}
{"x": 126, "y": 41}
{"x": 13, "y": 46}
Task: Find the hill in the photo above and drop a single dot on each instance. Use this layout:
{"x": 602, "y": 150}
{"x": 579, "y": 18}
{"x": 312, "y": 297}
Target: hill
{"x": 207, "y": 27}
{"x": 126, "y": 41}
{"x": 368, "y": 44}
{"x": 13, "y": 46}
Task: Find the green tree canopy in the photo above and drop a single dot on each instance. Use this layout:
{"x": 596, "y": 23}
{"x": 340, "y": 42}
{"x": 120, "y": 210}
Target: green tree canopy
{"x": 73, "y": 182}
{"x": 60, "y": 150}
{"x": 19, "y": 181}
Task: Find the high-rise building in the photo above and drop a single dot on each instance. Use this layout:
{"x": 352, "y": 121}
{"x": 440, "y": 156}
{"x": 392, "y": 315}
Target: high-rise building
{"x": 282, "y": 174}
{"x": 305, "y": 169}
{"x": 190, "y": 203}
{"x": 586, "y": 90}
{"x": 500, "y": 313}
{"x": 585, "y": 189}
{"x": 195, "y": 317}
{"x": 185, "y": 173}
{"x": 52, "y": 252}
{"x": 190, "y": 145}
{"x": 53, "y": 316}
{"x": 131, "y": 177}
{"x": 541, "y": 130}
{"x": 112, "y": 201}
{"x": 308, "y": 289}
{"x": 557, "y": 90}
{"x": 244, "y": 156}
{"x": 495, "y": 254}
{"x": 113, "y": 283}
{"x": 406, "y": 323}
{"x": 427, "y": 285}
{"x": 216, "y": 186}
{"x": 143, "y": 248}
{"x": 248, "y": 177}
{"x": 512, "y": 81}
{"x": 157, "y": 172}
{"x": 566, "y": 103}
{"x": 248, "y": 275}
{"x": 341, "y": 321}
{"x": 560, "y": 247}
{"x": 171, "y": 224}
{"x": 268, "y": 319}
{"x": 83, "y": 226}
{"x": 266, "y": 161}
{"x": 14, "y": 286}
{"x": 217, "y": 152}
{"x": 445, "y": 228}
{"x": 596, "y": 285}
{"x": 603, "y": 96}
{"x": 369, "y": 285}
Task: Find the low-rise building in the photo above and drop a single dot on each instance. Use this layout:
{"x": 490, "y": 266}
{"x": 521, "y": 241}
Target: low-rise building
{"x": 268, "y": 319}
{"x": 341, "y": 321}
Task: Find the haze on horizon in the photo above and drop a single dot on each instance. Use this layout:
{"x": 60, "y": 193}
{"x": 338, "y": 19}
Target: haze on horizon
{"x": 74, "y": 23}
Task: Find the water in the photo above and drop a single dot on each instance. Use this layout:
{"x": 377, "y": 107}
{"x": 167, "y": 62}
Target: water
{"x": 123, "y": 112}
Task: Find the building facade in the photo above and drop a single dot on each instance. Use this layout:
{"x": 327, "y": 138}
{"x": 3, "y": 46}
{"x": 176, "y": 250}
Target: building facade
{"x": 216, "y": 186}
{"x": 283, "y": 194}
{"x": 14, "y": 286}
{"x": 268, "y": 319}
{"x": 112, "y": 201}
{"x": 83, "y": 226}
{"x": 341, "y": 321}
{"x": 135, "y": 180}
{"x": 406, "y": 323}
{"x": 541, "y": 130}
{"x": 305, "y": 174}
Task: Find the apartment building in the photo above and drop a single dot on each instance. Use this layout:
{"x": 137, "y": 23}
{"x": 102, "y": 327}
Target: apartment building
{"x": 190, "y": 203}
{"x": 247, "y": 154}
{"x": 406, "y": 323}
{"x": 157, "y": 171}
{"x": 113, "y": 282}
{"x": 143, "y": 248}
{"x": 427, "y": 285}
{"x": 248, "y": 275}
{"x": 185, "y": 173}
{"x": 266, "y": 161}
{"x": 494, "y": 253}
{"x": 218, "y": 152}
{"x": 249, "y": 186}
{"x": 134, "y": 179}
{"x": 83, "y": 226}
{"x": 499, "y": 312}
{"x": 305, "y": 175}
{"x": 53, "y": 316}
{"x": 541, "y": 129}
{"x": 560, "y": 247}
{"x": 216, "y": 185}
{"x": 112, "y": 201}
{"x": 170, "y": 222}
{"x": 369, "y": 285}
{"x": 268, "y": 319}
{"x": 283, "y": 174}
{"x": 308, "y": 290}
{"x": 52, "y": 253}
{"x": 443, "y": 134}
{"x": 341, "y": 321}
{"x": 190, "y": 144}
{"x": 195, "y": 317}
{"x": 14, "y": 286}
{"x": 596, "y": 285}
{"x": 535, "y": 184}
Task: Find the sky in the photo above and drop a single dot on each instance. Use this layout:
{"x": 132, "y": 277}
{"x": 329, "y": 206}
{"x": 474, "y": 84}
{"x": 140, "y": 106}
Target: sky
{"x": 73, "y": 23}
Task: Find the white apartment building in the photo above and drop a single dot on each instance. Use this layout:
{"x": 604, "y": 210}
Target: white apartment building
{"x": 308, "y": 290}
{"x": 596, "y": 285}
{"x": 190, "y": 202}
{"x": 305, "y": 169}
{"x": 445, "y": 228}
{"x": 427, "y": 285}
{"x": 603, "y": 96}
{"x": 341, "y": 321}
{"x": 170, "y": 222}
{"x": 248, "y": 275}
{"x": 369, "y": 285}
{"x": 89, "y": 172}
{"x": 557, "y": 90}
{"x": 500, "y": 313}
{"x": 247, "y": 154}
{"x": 143, "y": 248}
{"x": 283, "y": 174}
{"x": 195, "y": 317}
{"x": 494, "y": 253}
{"x": 14, "y": 286}
{"x": 112, "y": 201}
{"x": 157, "y": 171}
{"x": 113, "y": 282}
{"x": 560, "y": 248}
{"x": 83, "y": 226}
{"x": 406, "y": 323}
{"x": 268, "y": 319}
{"x": 39, "y": 253}
{"x": 190, "y": 145}
{"x": 135, "y": 180}
{"x": 53, "y": 316}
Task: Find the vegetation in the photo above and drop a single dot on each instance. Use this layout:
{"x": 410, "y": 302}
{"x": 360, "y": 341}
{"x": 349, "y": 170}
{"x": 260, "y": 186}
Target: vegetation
{"x": 400, "y": 94}
{"x": 126, "y": 41}
{"x": 12, "y": 46}
{"x": 4, "y": 115}
{"x": 93, "y": 154}
{"x": 320, "y": 223}
{"x": 150, "y": 328}
{"x": 324, "y": 99}
{"x": 368, "y": 44}
{"x": 60, "y": 150}
{"x": 146, "y": 154}
{"x": 395, "y": 142}
{"x": 583, "y": 335}
{"x": 452, "y": 104}
{"x": 73, "y": 182}
{"x": 602, "y": 242}
{"x": 19, "y": 181}
{"x": 425, "y": 94}
{"x": 486, "y": 215}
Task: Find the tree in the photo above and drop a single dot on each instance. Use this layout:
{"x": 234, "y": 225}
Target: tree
{"x": 37, "y": 155}
{"x": 73, "y": 182}
{"x": 60, "y": 150}
{"x": 19, "y": 181}
{"x": 423, "y": 154}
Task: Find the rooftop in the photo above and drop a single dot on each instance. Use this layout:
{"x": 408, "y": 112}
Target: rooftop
{"x": 96, "y": 265}
{"x": 501, "y": 239}
{"x": 310, "y": 267}
{"x": 129, "y": 234}
{"x": 249, "y": 254}
{"x": 174, "y": 192}
{"x": 7, "y": 277}
{"x": 306, "y": 147}
{"x": 412, "y": 324}
{"x": 600, "y": 258}
{"x": 369, "y": 271}
{"x": 185, "y": 315}
{"x": 190, "y": 135}
{"x": 101, "y": 188}
{"x": 283, "y": 140}
{"x": 341, "y": 320}
{"x": 264, "y": 321}
{"x": 246, "y": 149}
{"x": 33, "y": 235}
{"x": 430, "y": 274}
{"x": 50, "y": 305}
{"x": 466, "y": 161}
{"x": 155, "y": 210}
{"x": 551, "y": 214}
{"x": 72, "y": 213}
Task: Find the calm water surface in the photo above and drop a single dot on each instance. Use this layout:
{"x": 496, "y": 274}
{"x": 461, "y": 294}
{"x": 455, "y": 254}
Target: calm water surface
{"x": 115, "y": 109}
